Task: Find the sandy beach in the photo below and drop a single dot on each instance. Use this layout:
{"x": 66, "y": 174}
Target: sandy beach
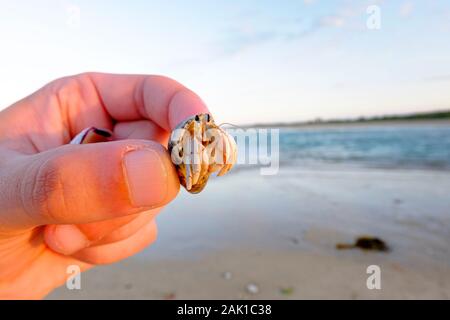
{"x": 106, "y": 107}
{"x": 249, "y": 236}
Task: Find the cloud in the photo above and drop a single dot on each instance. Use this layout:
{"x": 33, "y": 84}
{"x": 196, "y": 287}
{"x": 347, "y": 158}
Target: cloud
{"x": 335, "y": 21}
{"x": 406, "y": 9}
{"x": 240, "y": 39}
{"x": 244, "y": 35}
{"x": 308, "y": 2}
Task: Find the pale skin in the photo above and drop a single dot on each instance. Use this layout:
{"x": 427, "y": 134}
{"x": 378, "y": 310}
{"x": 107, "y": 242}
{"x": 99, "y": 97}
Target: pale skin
{"x": 84, "y": 205}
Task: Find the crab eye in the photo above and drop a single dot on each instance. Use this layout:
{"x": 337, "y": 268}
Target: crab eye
{"x": 197, "y": 118}
{"x": 208, "y": 117}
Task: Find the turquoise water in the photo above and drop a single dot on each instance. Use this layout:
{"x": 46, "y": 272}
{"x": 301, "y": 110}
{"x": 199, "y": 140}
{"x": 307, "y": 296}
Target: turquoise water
{"x": 396, "y": 146}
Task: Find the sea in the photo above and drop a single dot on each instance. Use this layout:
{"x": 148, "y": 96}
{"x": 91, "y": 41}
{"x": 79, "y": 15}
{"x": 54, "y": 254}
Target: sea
{"x": 396, "y": 146}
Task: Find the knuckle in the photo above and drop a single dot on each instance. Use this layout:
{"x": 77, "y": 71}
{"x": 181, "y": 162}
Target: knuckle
{"x": 65, "y": 84}
{"x": 47, "y": 190}
{"x": 69, "y": 89}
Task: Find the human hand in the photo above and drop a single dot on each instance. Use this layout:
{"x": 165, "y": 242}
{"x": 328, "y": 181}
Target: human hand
{"x": 89, "y": 204}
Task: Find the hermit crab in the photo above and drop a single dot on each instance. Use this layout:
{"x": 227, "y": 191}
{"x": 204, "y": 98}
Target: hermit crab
{"x": 197, "y": 146}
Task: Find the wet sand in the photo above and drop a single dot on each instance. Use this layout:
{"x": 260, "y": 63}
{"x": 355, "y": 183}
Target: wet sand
{"x": 279, "y": 233}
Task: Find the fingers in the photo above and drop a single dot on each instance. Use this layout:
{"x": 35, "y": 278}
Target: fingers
{"x": 128, "y": 229}
{"x": 68, "y": 239}
{"x": 160, "y": 99}
{"x": 77, "y": 184}
{"x": 141, "y": 129}
{"x": 110, "y": 253}
{"x": 60, "y": 110}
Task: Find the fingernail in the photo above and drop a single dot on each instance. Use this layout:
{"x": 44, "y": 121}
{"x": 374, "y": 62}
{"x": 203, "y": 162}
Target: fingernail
{"x": 68, "y": 239}
{"x": 146, "y": 177}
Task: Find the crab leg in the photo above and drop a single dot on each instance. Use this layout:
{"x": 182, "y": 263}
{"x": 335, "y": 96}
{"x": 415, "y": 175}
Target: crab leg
{"x": 231, "y": 156}
{"x": 196, "y": 166}
{"x": 187, "y": 160}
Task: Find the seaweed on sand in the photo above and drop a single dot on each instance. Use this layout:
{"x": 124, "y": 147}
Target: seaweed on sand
{"x": 365, "y": 243}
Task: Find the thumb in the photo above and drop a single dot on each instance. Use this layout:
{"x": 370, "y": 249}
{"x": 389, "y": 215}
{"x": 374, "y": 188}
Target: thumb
{"x": 76, "y": 184}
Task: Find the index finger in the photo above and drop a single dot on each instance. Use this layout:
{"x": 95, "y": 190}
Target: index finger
{"x": 157, "y": 98}
{"x": 63, "y": 108}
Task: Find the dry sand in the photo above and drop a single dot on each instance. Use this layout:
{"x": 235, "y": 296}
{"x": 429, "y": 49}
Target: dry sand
{"x": 280, "y": 232}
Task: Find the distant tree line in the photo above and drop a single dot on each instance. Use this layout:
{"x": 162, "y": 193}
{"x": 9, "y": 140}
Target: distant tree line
{"x": 434, "y": 115}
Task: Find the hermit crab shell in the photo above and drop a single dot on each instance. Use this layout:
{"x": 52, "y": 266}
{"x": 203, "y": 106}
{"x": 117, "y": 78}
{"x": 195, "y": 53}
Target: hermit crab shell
{"x": 198, "y": 148}
{"x": 92, "y": 135}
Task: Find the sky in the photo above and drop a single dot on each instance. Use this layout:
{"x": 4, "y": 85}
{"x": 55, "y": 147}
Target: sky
{"x": 250, "y": 60}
